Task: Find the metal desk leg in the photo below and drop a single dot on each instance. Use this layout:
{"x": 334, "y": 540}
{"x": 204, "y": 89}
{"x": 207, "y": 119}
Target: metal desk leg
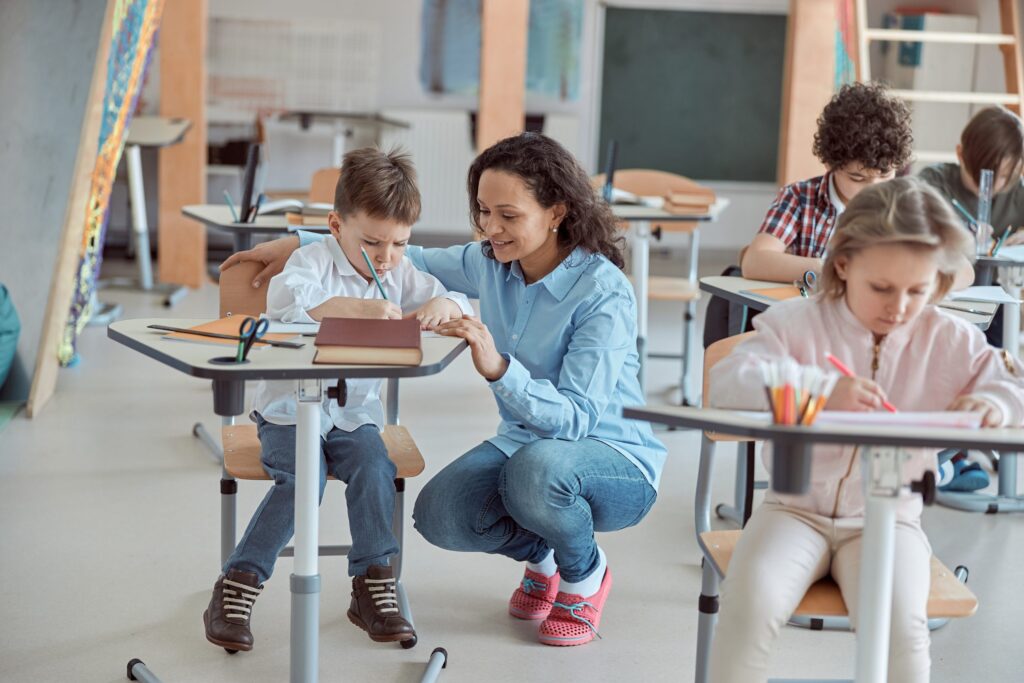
{"x": 882, "y": 488}
{"x": 1011, "y": 322}
{"x": 438, "y": 661}
{"x": 242, "y": 240}
{"x": 138, "y": 671}
{"x": 305, "y": 580}
{"x": 641, "y": 271}
{"x": 689, "y": 324}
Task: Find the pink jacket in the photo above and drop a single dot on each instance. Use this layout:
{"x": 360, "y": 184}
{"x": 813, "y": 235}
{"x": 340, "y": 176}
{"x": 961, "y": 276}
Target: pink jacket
{"x": 924, "y": 365}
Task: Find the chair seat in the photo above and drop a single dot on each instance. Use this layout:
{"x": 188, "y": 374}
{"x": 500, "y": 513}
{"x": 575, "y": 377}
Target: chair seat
{"x": 242, "y": 451}
{"x": 948, "y": 598}
{"x": 661, "y": 288}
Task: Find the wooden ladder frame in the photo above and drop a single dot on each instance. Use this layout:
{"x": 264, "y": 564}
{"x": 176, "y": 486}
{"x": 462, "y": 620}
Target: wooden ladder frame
{"x": 1008, "y": 41}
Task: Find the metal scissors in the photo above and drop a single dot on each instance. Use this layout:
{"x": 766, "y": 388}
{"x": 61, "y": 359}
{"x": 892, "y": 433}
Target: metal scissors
{"x": 808, "y": 284}
{"x": 248, "y": 333}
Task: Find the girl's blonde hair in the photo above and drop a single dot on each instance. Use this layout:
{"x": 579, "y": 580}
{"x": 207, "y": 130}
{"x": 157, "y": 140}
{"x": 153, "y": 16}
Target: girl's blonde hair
{"x": 903, "y": 211}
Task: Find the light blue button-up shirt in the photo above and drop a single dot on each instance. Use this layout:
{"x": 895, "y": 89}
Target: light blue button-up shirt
{"x": 570, "y": 341}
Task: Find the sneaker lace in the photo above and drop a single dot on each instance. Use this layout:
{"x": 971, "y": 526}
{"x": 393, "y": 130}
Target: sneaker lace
{"x": 572, "y": 610}
{"x": 530, "y": 585}
{"x": 385, "y": 601}
{"x": 238, "y": 603}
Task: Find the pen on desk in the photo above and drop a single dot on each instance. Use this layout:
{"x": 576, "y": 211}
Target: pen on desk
{"x": 256, "y": 208}
{"x": 841, "y": 367}
{"x": 373, "y": 272}
{"x": 972, "y": 221}
{"x": 231, "y": 205}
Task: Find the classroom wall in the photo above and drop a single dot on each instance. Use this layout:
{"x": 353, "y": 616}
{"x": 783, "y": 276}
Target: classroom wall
{"x": 47, "y": 54}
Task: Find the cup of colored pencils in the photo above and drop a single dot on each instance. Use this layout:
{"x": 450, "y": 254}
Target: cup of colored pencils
{"x": 796, "y": 393}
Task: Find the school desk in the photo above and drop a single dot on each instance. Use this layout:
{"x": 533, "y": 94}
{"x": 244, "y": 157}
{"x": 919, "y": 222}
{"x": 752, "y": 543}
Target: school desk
{"x": 229, "y": 400}
{"x": 984, "y": 274}
{"x": 218, "y": 217}
{"x": 737, "y": 290}
{"x": 146, "y": 131}
{"x": 640, "y": 219}
{"x": 880, "y": 449}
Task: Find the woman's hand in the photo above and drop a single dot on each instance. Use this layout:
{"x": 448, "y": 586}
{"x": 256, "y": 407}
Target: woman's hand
{"x": 991, "y": 415}
{"x": 437, "y": 311}
{"x": 489, "y": 363}
{"x": 857, "y": 394}
{"x": 350, "y": 307}
{"x": 273, "y": 255}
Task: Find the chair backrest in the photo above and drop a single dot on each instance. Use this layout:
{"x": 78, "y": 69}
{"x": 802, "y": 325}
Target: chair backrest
{"x": 719, "y": 350}
{"x": 321, "y": 189}
{"x": 237, "y": 295}
{"x": 645, "y": 181}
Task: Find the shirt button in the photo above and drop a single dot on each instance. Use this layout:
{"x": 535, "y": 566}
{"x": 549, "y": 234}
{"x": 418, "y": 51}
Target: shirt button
{"x": 515, "y": 336}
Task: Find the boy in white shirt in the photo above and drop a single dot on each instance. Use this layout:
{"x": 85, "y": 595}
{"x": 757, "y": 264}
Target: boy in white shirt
{"x": 375, "y": 204}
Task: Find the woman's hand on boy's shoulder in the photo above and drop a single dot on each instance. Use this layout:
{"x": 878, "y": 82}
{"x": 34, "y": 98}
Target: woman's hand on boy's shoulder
{"x": 273, "y": 255}
{"x": 991, "y": 415}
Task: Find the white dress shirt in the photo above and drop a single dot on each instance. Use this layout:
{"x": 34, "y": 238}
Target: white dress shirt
{"x": 314, "y": 274}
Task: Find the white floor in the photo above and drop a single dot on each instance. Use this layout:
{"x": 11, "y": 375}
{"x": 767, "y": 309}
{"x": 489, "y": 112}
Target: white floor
{"x": 109, "y": 548}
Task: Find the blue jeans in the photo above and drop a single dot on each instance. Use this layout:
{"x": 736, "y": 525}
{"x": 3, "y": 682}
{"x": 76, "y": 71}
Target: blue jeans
{"x": 549, "y": 494}
{"x": 359, "y": 459}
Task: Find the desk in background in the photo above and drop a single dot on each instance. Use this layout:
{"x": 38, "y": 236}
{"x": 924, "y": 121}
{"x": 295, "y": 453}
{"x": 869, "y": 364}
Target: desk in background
{"x": 640, "y": 219}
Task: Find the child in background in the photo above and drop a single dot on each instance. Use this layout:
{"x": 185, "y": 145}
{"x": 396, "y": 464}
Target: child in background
{"x": 863, "y": 138}
{"x": 894, "y": 253}
{"x": 375, "y": 204}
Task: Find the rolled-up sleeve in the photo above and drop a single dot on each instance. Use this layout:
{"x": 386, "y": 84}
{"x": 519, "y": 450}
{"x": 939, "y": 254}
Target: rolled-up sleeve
{"x": 298, "y": 288}
{"x": 603, "y": 335}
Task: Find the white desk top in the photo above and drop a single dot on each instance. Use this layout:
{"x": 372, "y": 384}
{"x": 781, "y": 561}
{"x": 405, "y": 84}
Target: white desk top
{"x": 156, "y": 131}
{"x": 265, "y": 363}
{"x": 218, "y": 216}
{"x": 730, "y": 422}
{"x": 634, "y": 213}
{"x": 734, "y": 289}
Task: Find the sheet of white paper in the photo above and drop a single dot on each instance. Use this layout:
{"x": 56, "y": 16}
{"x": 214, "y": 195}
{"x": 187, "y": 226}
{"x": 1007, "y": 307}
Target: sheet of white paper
{"x": 945, "y": 418}
{"x": 990, "y": 294}
{"x": 1014, "y": 253}
{"x": 278, "y": 327}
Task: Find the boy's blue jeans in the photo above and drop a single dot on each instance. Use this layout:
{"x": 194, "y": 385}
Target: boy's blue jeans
{"x": 549, "y": 494}
{"x": 359, "y": 459}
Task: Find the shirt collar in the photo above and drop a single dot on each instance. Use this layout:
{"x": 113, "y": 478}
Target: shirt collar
{"x": 833, "y": 195}
{"x": 343, "y": 265}
{"x": 822, "y": 196}
{"x": 897, "y": 337}
{"x": 560, "y": 280}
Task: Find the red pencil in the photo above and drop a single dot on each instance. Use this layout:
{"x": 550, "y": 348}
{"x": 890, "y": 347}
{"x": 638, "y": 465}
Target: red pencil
{"x": 849, "y": 373}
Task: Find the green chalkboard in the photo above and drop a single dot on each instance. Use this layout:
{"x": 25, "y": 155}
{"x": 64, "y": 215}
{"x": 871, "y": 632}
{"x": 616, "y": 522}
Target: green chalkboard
{"x": 694, "y": 93}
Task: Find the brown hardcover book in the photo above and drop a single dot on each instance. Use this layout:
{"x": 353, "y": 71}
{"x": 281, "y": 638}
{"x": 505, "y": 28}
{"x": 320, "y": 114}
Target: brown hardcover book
{"x": 698, "y": 197}
{"x": 360, "y": 341}
{"x": 305, "y": 219}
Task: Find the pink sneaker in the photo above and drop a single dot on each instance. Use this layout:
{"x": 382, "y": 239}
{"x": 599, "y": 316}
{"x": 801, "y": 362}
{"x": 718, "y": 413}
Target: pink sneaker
{"x": 574, "y": 620}
{"x": 533, "y": 598}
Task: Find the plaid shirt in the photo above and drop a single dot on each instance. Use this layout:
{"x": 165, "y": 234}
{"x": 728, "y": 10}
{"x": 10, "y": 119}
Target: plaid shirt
{"x": 803, "y": 217}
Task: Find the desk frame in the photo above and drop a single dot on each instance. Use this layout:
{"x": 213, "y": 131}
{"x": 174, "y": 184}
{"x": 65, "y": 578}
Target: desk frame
{"x": 229, "y": 401}
{"x": 883, "y": 489}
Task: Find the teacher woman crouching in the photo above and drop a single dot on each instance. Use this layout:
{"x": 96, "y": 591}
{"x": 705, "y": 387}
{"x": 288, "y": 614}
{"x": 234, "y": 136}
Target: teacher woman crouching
{"x": 556, "y": 341}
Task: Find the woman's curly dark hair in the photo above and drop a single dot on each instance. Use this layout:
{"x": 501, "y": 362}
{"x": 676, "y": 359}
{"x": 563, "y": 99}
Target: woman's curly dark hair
{"x": 864, "y": 123}
{"x": 553, "y": 176}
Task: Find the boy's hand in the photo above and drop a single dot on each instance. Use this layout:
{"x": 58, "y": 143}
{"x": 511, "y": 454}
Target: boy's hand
{"x": 349, "y": 307}
{"x": 991, "y": 415}
{"x": 1015, "y": 238}
{"x": 857, "y": 394}
{"x": 437, "y": 311}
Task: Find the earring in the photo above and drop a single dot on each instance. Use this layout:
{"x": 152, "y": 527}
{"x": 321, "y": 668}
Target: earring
{"x": 554, "y": 229}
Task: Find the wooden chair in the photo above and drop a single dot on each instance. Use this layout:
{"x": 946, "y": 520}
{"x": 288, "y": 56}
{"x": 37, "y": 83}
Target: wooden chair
{"x": 324, "y": 182}
{"x": 949, "y": 596}
{"x": 241, "y": 444}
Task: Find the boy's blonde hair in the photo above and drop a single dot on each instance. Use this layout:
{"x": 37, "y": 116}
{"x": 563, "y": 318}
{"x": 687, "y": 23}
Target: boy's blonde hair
{"x": 904, "y": 211}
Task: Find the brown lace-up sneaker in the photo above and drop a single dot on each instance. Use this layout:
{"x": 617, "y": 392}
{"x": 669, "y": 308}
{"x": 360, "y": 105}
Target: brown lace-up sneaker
{"x": 228, "y": 616}
{"x": 374, "y": 606}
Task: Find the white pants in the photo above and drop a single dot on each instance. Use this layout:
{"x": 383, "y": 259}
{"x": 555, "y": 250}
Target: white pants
{"x": 783, "y": 551}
